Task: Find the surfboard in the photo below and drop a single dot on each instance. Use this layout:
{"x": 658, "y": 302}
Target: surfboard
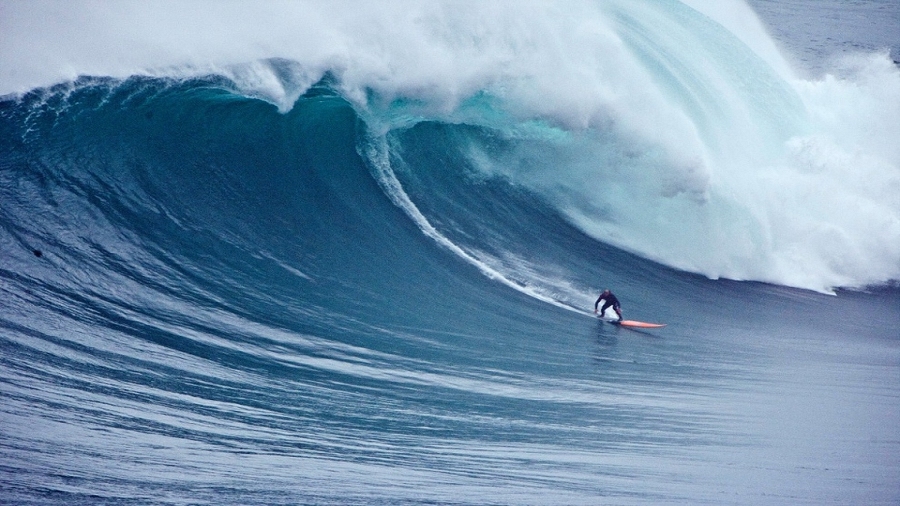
{"x": 637, "y": 324}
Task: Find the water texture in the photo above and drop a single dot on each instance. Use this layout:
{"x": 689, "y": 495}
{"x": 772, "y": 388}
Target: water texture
{"x": 329, "y": 263}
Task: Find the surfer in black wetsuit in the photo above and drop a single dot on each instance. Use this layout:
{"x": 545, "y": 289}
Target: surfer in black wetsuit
{"x": 611, "y": 300}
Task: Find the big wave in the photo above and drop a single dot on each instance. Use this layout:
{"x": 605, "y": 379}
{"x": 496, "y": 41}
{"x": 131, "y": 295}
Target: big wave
{"x": 676, "y": 131}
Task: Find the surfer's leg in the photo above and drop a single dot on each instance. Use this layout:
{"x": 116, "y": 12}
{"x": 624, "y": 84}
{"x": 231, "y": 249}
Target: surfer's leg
{"x": 606, "y": 305}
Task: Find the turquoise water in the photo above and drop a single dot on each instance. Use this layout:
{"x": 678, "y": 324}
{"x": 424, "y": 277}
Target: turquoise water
{"x": 345, "y": 302}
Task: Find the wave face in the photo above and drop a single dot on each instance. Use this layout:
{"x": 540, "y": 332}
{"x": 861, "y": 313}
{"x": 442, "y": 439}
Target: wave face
{"x": 352, "y": 274}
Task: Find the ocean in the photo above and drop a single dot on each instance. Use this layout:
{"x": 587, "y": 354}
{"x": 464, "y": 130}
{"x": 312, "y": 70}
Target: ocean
{"x": 323, "y": 253}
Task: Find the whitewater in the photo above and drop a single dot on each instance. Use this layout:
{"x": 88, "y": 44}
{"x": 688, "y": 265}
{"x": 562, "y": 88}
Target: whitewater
{"x": 347, "y": 253}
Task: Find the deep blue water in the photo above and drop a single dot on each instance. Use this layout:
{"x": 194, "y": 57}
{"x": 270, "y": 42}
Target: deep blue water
{"x": 206, "y": 300}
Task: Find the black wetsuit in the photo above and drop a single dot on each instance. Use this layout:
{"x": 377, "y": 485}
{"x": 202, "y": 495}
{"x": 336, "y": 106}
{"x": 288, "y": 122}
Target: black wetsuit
{"x": 611, "y": 300}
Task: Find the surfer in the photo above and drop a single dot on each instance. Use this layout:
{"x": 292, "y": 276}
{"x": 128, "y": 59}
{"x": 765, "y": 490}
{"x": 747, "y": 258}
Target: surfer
{"x": 611, "y": 300}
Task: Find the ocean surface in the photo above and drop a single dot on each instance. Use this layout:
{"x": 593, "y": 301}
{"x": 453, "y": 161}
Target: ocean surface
{"x": 326, "y": 253}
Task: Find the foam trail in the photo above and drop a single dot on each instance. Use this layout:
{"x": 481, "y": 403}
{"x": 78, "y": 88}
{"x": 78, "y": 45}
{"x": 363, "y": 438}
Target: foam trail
{"x": 376, "y": 151}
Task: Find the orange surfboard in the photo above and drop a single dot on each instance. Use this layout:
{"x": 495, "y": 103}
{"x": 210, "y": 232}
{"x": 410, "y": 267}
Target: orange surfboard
{"x": 637, "y": 324}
